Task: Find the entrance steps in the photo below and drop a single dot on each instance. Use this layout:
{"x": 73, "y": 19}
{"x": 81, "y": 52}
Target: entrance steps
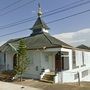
{"x": 49, "y": 77}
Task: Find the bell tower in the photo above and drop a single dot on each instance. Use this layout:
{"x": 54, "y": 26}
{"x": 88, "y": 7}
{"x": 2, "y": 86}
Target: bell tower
{"x": 39, "y": 26}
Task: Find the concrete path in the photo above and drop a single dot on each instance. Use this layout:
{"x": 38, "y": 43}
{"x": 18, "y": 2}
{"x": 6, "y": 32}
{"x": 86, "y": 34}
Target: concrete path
{"x": 10, "y": 86}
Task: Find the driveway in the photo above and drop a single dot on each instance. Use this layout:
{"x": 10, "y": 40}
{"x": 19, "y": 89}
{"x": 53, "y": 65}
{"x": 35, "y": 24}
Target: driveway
{"x": 10, "y": 86}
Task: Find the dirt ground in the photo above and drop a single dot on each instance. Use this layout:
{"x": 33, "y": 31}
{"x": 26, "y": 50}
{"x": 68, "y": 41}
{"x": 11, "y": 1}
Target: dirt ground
{"x": 51, "y": 86}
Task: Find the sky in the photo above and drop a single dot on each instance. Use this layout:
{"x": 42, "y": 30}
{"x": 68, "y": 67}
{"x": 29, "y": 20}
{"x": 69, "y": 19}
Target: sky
{"x": 72, "y": 24}
{"x": 75, "y": 38}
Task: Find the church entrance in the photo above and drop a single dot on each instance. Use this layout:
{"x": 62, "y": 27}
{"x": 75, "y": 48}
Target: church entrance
{"x": 59, "y": 62}
{"x": 62, "y": 61}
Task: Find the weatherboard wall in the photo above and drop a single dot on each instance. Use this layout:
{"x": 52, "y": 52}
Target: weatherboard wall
{"x": 9, "y": 60}
{"x": 2, "y": 61}
{"x": 48, "y": 61}
{"x": 71, "y": 74}
{"x": 34, "y": 68}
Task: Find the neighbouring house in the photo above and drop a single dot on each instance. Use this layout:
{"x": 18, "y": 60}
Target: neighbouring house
{"x": 50, "y": 58}
{"x": 82, "y": 46}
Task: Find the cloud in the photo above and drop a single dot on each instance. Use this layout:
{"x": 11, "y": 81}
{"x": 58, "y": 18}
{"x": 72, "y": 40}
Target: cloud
{"x": 75, "y": 38}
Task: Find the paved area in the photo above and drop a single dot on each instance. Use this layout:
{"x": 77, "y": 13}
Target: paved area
{"x": 10, "y": 86}
{"x": 35, "y": 85}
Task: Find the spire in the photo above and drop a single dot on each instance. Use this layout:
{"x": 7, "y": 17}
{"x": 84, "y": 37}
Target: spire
{"x": 39, "y": 10}
{"x": 39, "y": 26}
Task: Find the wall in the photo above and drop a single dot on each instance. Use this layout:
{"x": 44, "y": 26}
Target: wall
{"x": 34, "y": 68}
{"x": 9, "y": 60}
{"x": 71, "y": 75}
{"x": 82, "y": 69}
{"x": 70, "y": 58}
{"x": 60, "y": 77}
{"x": 2, "y": 61}
{"x": 48, "y": 61}
{"x": 66, "y": 63}
{"x": 78, "y": 58}
{"x": 87, "y": 59}
{"x": 54, "y": 51}
{"x": 1, "y": 58}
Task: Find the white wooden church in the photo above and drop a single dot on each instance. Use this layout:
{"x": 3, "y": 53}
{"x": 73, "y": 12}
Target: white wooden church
{"x": 50, "y": 59}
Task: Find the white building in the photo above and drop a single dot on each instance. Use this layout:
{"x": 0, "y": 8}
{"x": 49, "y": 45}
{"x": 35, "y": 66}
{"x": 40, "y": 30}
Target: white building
{"x": 51, "y": 59}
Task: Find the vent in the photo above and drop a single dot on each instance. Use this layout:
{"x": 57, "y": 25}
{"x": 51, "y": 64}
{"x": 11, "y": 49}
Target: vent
{"x": 75, "y": 76}
{"x": 84, "y": 73}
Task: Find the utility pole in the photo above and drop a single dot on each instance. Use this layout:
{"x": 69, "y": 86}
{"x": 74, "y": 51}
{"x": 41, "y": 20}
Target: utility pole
{"x": 60, "y": 54}
{"x": 78, "y": 78}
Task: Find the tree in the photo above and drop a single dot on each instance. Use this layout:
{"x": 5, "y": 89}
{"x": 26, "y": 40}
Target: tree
{"x": 22, "y": 60}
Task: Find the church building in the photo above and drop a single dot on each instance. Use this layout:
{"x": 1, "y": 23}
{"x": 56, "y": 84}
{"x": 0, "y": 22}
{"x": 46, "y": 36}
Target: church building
{"x": 51, "y": 60}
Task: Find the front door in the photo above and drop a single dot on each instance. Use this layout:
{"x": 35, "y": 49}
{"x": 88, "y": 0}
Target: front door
{"x": 58, "y": 62}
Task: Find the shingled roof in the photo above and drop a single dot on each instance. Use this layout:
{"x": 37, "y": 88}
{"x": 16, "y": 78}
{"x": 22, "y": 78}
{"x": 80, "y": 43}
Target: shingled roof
{"x": 82, "y": 46}
{"x": 39, "y": 42}
{"x": 39, "y": 24}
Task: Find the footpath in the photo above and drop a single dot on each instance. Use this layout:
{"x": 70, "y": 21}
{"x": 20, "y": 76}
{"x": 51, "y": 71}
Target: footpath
{"x": 10, "y": 86}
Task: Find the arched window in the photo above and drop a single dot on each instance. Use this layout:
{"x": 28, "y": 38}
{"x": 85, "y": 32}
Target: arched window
{"x": 14, "y": 61}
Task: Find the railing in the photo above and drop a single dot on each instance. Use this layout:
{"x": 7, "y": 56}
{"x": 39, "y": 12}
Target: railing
{"x": 44, "y": 71}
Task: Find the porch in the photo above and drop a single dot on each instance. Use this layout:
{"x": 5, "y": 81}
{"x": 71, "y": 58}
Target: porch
{"x": 54, "y": 63}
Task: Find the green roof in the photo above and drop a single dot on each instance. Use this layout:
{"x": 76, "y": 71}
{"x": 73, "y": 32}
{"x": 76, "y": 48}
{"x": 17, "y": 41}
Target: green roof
{"x": 39, "y": 41}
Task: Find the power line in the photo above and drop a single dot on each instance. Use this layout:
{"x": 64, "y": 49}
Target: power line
{"x": 5, "y": 27}
{"x": 4, "y": 8}
{"x": 12, "y": 10}
{"x": 50, "y": 22}
{"x": 69, "y": 16}
{"x": 76, "y": 2}
{"x": 14, "y": 32}
{"x": 69, "y": 8}
{"x": 33, "y": 18}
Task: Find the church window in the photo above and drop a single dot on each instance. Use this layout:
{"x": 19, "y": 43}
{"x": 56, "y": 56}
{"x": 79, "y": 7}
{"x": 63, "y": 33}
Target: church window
{"x": 74, "y": 60}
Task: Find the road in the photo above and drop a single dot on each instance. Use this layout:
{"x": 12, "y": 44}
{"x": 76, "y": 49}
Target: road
{"x": 10, "y": 86}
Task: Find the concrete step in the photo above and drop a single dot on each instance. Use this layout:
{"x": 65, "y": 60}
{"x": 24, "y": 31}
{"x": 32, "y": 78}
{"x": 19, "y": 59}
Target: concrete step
{"x": 51, "y": 73}
{"x": 49, "y": 77}
{"x": 48, "y": 81}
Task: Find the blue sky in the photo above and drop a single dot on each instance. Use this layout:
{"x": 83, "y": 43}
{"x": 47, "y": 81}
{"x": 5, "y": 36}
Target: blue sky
{"x": 67, "y": 25}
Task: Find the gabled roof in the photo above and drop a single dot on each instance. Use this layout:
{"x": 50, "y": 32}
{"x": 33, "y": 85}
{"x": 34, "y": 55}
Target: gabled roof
{"x": 39, "y": 42}
{"x": 82, "y": 46}
{"x": 39, "y": 24}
